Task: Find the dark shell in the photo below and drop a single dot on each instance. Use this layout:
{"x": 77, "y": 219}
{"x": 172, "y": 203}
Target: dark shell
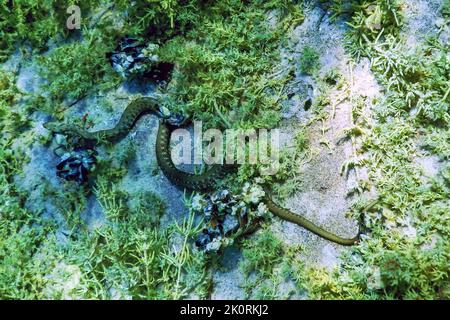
{"x": 76, "y": 165}
{"x": 209, "y": 209}
{"x": 160, "y": 72}
{"x": 223, "y": 195}
{"x": 230, "y": 225}
{"x": 222, "y": 220}
{"x": 206, "y": 237}
{"x": 128, "y": 59}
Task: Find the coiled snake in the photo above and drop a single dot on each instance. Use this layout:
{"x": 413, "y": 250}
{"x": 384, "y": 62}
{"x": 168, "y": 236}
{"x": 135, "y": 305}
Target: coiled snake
{"x": 199, "y": 182}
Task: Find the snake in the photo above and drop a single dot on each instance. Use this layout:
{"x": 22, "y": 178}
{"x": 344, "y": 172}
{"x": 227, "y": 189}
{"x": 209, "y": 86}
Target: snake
{"x": 201, "y": 182}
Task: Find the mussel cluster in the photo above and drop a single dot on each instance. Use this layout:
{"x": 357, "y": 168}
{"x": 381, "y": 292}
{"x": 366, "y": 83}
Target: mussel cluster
{"x": 227, "y": 216}
{"x": 75, "y": 165}
{"x": 132, "y": 57}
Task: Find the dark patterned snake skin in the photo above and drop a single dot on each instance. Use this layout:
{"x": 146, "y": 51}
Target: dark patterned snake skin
{"x": 198, "y": 182}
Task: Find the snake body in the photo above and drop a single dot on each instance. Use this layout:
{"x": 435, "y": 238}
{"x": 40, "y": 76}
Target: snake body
{"x": 199, "y": 182}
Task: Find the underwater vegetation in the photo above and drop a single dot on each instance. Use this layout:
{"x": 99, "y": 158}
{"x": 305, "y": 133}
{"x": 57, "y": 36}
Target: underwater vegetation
{"x": 223, "y": 59}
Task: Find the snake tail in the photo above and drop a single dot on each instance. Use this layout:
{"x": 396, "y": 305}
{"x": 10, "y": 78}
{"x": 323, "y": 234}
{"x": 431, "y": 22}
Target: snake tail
{"x": 287, "y": 215}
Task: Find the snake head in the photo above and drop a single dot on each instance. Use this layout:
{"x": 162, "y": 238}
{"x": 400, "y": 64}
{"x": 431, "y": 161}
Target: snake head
{"x": 175, "y": 119}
